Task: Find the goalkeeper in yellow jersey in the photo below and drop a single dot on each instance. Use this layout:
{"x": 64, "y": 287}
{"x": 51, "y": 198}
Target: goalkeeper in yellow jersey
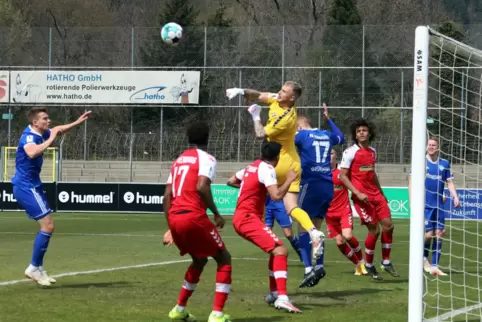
{"x": 281, "y": 127}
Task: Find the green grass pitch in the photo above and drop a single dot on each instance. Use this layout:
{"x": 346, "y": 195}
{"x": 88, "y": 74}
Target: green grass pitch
{"x": 97, "y": 242}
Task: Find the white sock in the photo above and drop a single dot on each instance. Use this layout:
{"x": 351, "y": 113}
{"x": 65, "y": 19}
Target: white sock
{"x": 32, "y": 268}
{"x": 386, "y": 262}
{"x": 180, "y": 308}
{"x": 217, "y": 313}
{"x": 283, "y": 298}
{"x": 308, "y": 269}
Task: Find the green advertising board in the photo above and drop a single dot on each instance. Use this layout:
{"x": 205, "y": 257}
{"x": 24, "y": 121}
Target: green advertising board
{"x": 225, "y": 198}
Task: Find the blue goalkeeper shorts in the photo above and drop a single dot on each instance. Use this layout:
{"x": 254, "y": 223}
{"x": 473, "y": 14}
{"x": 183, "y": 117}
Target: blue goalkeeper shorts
{"x": 275, "y": 210}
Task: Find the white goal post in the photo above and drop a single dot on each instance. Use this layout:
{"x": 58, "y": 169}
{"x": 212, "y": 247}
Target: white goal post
{"x": 447, "y": 91}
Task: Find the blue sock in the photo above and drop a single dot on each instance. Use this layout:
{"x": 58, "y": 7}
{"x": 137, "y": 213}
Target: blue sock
{"x": 426, "y": 248}
{"x": 305, "y": 249}
{"x": 321, "y": 260}
{"x": 40, "y": 247}
{"x": 295, "y": 243}
{"x": 436, "y": 251}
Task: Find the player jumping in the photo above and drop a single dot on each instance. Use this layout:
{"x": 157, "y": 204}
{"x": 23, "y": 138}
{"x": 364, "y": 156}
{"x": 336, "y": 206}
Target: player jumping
{"x": 186, "y": 199}
{"x": 358, "y": 174}
{"x": 314, "y": 147}
{"x": 339, "y": 221}
{"x": 27, "y": 186}
{"x": 281, "y": 127}
{"x": 438, "y": 173}
{"x": 257, "y": 180}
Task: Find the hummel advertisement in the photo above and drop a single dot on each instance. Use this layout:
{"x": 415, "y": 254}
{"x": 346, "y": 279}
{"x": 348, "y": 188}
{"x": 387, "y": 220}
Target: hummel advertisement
{"x": 103, "y": 87}
{"x": 144, "y": 197}
{"x": 8, "y": 201}
{"x": 87, "y": 197}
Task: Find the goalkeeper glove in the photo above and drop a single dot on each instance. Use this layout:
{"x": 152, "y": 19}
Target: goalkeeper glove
{"x": 233, "y": 92}
{"x": 255, "y": 111}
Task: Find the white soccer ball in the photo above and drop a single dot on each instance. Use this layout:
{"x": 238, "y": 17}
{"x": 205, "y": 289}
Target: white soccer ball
{"x": 171, "y": 33}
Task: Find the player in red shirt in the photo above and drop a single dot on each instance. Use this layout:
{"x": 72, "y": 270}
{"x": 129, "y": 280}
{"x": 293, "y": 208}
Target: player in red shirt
{"x": 186, "y": 199}
{"x": 255, "y": 181}
{"x": 358, "y": 174}
{"x": 339, "y": 221}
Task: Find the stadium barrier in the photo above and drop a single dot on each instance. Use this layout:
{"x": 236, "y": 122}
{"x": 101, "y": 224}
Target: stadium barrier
{"x": 146, "y": 197}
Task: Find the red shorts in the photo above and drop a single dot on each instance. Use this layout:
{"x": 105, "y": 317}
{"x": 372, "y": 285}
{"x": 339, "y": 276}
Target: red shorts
{"x": 252, "y": 228}
{"x": 336, "y": 222}
{"x": 377, "y": 209}
{"x": 196, "y": 235}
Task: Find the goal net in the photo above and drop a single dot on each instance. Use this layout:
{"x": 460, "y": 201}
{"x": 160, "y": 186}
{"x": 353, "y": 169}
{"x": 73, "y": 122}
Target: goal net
{"x": 447, "y": 105}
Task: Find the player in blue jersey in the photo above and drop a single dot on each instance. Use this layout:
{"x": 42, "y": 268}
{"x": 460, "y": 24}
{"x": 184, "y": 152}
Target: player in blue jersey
{"x": 437, "y": 174}
{"x": 314, "y": 146}
{"x": 276, "y": 211}
{"x": 27, "y": 186}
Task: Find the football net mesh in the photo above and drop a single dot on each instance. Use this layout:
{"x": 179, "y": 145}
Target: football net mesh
{"x": 454, "y": 117}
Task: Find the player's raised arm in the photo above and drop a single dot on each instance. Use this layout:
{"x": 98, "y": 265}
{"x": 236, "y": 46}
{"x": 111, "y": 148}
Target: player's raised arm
{"x": 236, "y": 179}
{"x": 337, "y": 136}
{"x": 250, "y": 95}
{"x": 67, "y": 127}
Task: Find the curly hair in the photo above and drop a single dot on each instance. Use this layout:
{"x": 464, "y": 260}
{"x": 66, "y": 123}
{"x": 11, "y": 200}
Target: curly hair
{"x": 362, "y": 122}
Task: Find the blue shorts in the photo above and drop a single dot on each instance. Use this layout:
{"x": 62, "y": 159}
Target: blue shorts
{"x": 434, "y": 219}
{"x": 315, "y": 198}
{"x": 276, "y": 210}
{"x": 33, "y": 200}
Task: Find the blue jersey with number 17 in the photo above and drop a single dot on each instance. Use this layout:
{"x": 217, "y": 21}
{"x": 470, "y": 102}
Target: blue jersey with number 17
{"x": 314, "y": 147}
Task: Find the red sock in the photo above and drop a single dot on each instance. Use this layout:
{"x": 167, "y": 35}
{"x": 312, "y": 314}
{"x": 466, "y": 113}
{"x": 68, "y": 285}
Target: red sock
{"x": 370, "y": 244}
{"x": 272, "y": 280}
{"x": 223, "y": 287}
{"x": 348, "y": 252}
{"x": 387, "y": 238}
{"x": 191, "y": 278}
{"x": 355, "y": 245}
{"x": 280, "y": 268}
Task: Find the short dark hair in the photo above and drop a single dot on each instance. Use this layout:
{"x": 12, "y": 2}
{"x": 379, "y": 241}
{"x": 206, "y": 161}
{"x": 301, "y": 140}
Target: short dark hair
{"x": 297, "y": 90}
{"x": 34, "y": 112}
{"x": 270, "y": 151}
{"x": 198, "y": 133}
{"x": 363, "y": 122}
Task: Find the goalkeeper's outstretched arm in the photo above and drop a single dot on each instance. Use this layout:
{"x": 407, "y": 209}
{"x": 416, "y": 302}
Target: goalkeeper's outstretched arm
{"x": 250, "y": 95}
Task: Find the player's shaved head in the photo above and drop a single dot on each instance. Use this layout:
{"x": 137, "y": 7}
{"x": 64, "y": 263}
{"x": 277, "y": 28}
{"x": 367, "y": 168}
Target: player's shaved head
{"x": 303, "y": 119}
{"x": 34, "y": 113}
{"x": 270, "y": 151}
{"x": 198, "y": 134}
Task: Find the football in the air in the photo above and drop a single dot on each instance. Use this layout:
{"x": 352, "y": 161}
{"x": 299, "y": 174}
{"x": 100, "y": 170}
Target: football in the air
{"x": 171, "y": 33}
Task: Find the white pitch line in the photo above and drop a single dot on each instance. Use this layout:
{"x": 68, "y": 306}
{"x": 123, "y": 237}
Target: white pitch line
{"x": 454, "y": 313}
{"x": 103, "y": 270}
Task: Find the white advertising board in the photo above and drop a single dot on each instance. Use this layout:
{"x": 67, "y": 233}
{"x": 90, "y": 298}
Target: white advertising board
{"x": 105, "y": 87}
{"x": 4, "y": 81}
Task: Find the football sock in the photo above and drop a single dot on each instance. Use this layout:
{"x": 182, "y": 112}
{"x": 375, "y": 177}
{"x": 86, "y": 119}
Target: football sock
{"x": 436, "y": 251}
{"x": 305, "y": 251}
{"x": 426, "y": 248}
{"x": 386, "y": 240}
{"x": 355, "y": 245}
{"x": 191, "y": 278}
{"x": 223, "y": 287}
{"x": 272, "y": 280}
{"x": 302, "y": 217}
{"x": 370, "y": 244}
{"x": 40, "y": 246}
{"x": 295, "y": 243}
{"x": 348, "y": 252}
{"x": 280, "y": 271}
{"x": 321, "y": 260}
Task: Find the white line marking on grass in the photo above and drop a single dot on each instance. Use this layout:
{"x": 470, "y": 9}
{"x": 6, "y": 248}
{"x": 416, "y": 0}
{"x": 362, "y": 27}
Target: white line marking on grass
{"x": 454, "y": 313}
{"x": 102, "y": 270}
